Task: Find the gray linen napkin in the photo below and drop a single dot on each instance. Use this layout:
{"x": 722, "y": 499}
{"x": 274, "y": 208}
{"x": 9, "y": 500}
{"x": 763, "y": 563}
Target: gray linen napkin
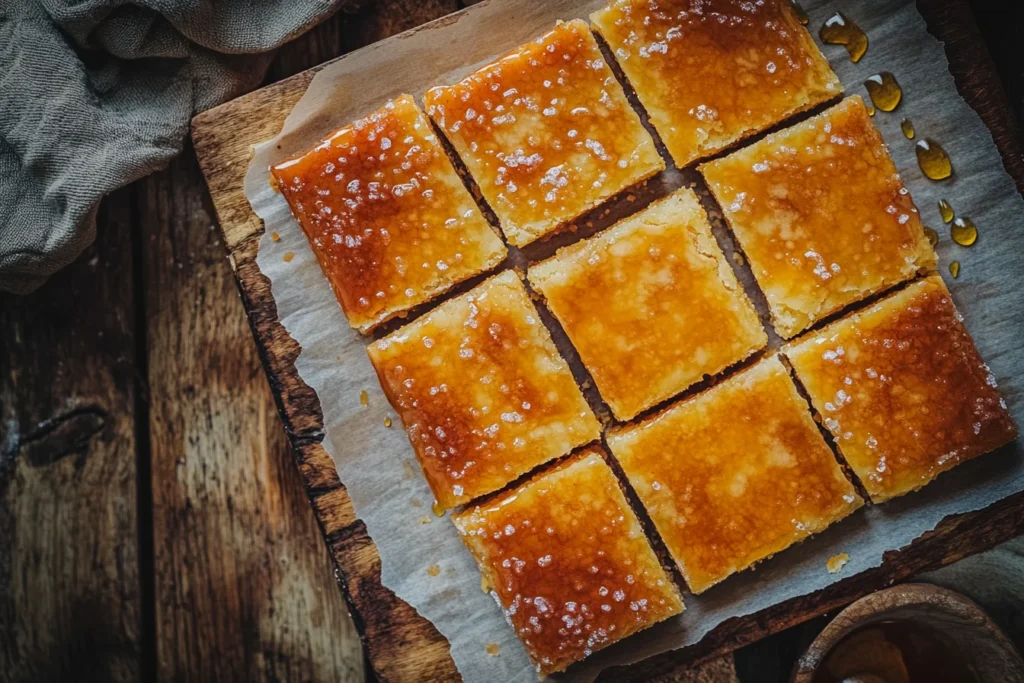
{"x": 97, "y": 93}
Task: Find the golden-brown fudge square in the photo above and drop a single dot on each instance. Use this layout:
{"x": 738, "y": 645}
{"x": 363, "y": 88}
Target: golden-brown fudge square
{"x": 903, "y": 390}
{"x": 568, "y": 561}
{"x": 482, "y": 391}
{"x": 546, "y": 132}
{"x": 651, "y": 304}
{"x": 387, "y": 216}
{"x": 734, "y": 474}
{"x": 711, "y": 73}
{"x": 822, "y": 215}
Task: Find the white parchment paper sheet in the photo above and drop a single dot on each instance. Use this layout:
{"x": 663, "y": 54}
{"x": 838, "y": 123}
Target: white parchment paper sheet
{"x": 377, "y": 464}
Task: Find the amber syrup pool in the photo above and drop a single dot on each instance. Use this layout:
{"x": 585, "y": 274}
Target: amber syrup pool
{"x": 933, "y": 160}
{"x": 840, "y": 30}
{"x": 884, "y": 90}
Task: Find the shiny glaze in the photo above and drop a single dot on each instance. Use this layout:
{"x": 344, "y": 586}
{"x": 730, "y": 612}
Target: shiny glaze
{"x": 734, "y": 474}
{"x": 712, "y": 72}
{"x": 821, "y": 214}
{"x": 387, "y": 216}
{"x": 568, "y": 562}
{"x": 651, "y": 305}
{"x": 546, "y": 132}
{"x": 482, "y": 391}
{"x": 903, "y": 390}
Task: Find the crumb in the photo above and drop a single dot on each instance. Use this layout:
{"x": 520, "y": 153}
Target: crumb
{"x": 738, "y": 258}
{"x": 836, "y": 562}
{"x": 493, "y": 649}
{"x": 423, "y": 520}
{"x": 364, "y": 398}
{"x": 433, "y": 570}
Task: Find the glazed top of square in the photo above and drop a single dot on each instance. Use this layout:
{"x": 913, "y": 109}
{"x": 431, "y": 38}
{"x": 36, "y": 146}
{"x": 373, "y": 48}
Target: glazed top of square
{"x": 482, "y": 391}
{"x": 651, "y": 305}
{"x": 569, "y": 562}
{"x": 903, "y": 390}
{"x": 386, "y": 214}
{"x": 822, "y": 215}
{"x": 710, "y": 73}
{"x": 546, "y": 132}
{"x": 734, "y": 474}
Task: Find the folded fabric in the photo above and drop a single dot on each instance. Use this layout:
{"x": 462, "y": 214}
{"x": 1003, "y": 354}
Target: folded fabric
{"x": 97, "y": 93}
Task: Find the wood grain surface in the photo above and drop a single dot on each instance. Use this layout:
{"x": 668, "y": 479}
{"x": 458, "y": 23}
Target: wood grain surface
{"x": 403, "y": 646}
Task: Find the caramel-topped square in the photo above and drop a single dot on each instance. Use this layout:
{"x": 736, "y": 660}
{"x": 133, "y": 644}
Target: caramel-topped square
{"x": 903, "y": 390}
{"x": 546, "y": 132}
{"x": 734, "y": 474}
{"x": 482, "y": 391}
{"x": 651, "y": 304}
{"x": 566, "y": 558}
{"x": 713, "y": 72}
{"x": 387, "y": 216}
{"x": 821, "y": 214}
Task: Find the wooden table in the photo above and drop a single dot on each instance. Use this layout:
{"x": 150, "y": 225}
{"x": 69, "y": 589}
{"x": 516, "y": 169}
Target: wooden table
{"x": 153, "y": 525}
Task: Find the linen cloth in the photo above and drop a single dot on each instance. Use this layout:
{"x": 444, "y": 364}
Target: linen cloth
{"x": 97, "y": 93}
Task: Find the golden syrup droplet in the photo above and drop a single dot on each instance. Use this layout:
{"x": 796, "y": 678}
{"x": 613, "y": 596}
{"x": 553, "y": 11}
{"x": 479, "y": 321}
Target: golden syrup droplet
{"x": 907, "y": 126}
{"x": 932, "y": 235}
{"x": 964, "y": 232}
{"x": 800, "y": 13}
{"x": 387, "y": 421}
{"x": 954, "y": 269}
{"x": 933, "y": 160}
{"x": 273, "y": 184}
{"x": 289, "y": 256}
{"x": 946, "y": 211}
{"x": 493, "y": 649}
{"x": 364, "y": 397}
{"x": 885, "y": 92}
{"x": 437, "y": 509}
{"x": 871, "y": 111}
{"x": 839, "y": 30}
{"x": 433, "y": 570}
{"x": 276, "y": 237}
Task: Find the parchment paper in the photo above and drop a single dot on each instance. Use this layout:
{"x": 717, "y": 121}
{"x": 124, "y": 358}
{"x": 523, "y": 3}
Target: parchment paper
{"x": 377, "y": 464}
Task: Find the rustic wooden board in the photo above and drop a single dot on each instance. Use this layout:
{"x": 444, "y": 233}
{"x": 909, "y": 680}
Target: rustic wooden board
{"x": 403, "y": 646}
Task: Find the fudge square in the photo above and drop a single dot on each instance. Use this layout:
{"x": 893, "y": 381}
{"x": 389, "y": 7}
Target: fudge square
{"x": 903, "y": 390}
{"x": 546, "y": 132}
{"x": 734, "y": 474}
{"x": 651, "y": 304}
{"x": 566, "y": 558}
{"x": 387, "y": 216}
{"x": 711, "y": 73}
{"x": 482, "y": 391}
{"x": 821, "y": 214}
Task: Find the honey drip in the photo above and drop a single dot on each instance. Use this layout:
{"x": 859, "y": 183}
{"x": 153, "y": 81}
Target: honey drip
{"x": 433, "y": 570}
{"x": 800, "y": 13}
{"x": 364, "y": 397}
{"x": 437, "y": 509}
{"x": 933, "y": 160}
{"x": 493, "y": 649}
{"x": 839, "y": 30}
{"x": 932, "y": 235}
{"x": 289, "y": 256}
{"x": 387, "y": 421}
{"x": 907, "y": 126}
{"x": 964, "y": 232}
{"x": 946, "y": 211}
{"x": 885, "y": 92}
{"x": 954, "y": 269}
{"x": 871, "y": 111}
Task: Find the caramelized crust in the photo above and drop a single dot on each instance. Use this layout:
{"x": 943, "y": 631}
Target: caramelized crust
{"x": 734, "y": 474}
{"x": 546, "y": 132}
{"x": 651, "y": 305}
{"x": 568, "y": 562}
{"x": 712, "y": 72}
{"x": 903, "y": 390}
{"x": 822, "y": 215}
{"x": 388, "y": 218}
{"x": 482, "y": 391}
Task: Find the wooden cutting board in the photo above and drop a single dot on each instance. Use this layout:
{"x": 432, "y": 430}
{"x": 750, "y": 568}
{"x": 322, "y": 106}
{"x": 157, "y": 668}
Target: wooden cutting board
{"x": 401, "y": 645}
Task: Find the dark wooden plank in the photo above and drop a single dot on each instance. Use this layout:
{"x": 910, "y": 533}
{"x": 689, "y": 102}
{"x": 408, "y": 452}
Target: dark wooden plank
{"x": 401, "y": 647}
{"x": 69, "y": 576}
{"x": 243, "y": 584}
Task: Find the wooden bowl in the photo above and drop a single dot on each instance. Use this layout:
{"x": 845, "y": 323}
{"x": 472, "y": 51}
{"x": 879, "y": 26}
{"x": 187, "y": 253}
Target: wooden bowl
{"x": 987, "y": 649}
